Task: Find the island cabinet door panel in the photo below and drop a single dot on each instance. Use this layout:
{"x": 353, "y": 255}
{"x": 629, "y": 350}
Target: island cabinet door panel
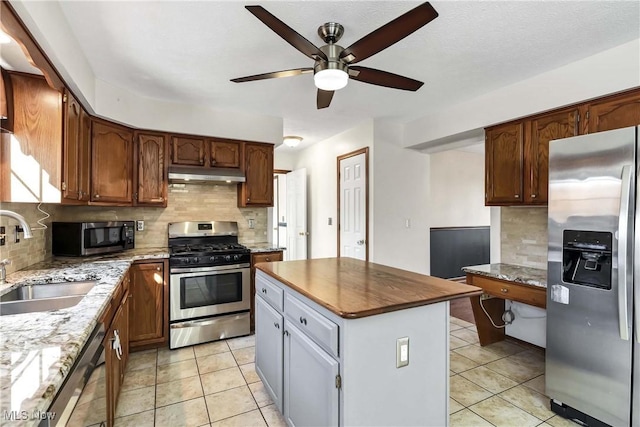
{"x": 310, "y": 381}
{"x": 269, "y": 349}
{"x": 151, "y": 177}
{"x": 111, "y": 164}
{"x": 504, "y": 164}
{"x": 562, "y": 124}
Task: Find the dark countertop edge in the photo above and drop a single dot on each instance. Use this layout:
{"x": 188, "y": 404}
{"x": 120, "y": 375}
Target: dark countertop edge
{"x": 371, "y": 312}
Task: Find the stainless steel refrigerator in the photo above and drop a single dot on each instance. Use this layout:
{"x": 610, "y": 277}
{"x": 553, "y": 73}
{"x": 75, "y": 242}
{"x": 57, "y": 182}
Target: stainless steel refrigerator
{"x": 593, "y": 305}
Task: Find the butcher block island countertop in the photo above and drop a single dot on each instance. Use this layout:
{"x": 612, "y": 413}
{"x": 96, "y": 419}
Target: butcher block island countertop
{"x": 353, "y": 288}
{"x": 342, "y": 342}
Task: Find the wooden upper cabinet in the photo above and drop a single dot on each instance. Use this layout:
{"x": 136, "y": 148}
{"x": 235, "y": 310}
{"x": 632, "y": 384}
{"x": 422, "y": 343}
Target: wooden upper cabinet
{"x": 151, "y": 177}
{"x": 504, "y": 149}
{"x": 111, "y": 163}
{"x": 225, "y": 154}
{"x": 539, "y": 132}
{"x": 75, "y": 152}
{"x": 31, "y": 163}
{"x": 615, "y": 112}
{"x": 258, "y": 169}
{"x": 187, "y": 151}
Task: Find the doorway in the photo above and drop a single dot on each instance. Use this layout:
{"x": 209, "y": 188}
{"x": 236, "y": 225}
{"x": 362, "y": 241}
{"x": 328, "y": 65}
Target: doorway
{"x": 353, "y": 204}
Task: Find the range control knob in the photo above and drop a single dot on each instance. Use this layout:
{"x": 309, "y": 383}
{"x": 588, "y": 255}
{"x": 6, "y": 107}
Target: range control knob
{"x": 212, "y": 259}
{"x": 236, "y": 257}
{"x": 227, "y": 257}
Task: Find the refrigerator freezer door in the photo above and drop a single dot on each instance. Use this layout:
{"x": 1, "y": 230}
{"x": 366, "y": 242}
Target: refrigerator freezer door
{"x": 589, "y": 341}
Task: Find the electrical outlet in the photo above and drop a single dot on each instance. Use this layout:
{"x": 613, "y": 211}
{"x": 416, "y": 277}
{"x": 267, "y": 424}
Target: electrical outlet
{"x": 485, "y": 296}
{"x": 252, "y": 223}
{"x": 140, "y": 225}
{"x": 402, "y": 352}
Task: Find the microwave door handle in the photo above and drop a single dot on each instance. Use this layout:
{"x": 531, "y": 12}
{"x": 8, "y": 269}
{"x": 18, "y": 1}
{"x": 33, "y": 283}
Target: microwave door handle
{"x": 623, "y": 242}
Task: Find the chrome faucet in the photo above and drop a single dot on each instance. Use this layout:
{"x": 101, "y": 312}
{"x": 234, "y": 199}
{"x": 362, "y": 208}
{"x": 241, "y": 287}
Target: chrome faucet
{"x": 3, "y": 272}
{"x": 23, "y": 222}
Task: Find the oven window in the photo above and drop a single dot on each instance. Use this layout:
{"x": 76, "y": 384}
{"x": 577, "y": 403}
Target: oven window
{"x": 211, "y": 289}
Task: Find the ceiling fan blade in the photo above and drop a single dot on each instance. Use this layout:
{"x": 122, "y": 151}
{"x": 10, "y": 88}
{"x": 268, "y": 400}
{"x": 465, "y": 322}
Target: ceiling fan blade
{"x": 383, "y": 78}
{"x": 389, "y": 33}
{"x": 323, "y": 99}
{"x": 287, "y": 33}
{"x": 274, "y": 75}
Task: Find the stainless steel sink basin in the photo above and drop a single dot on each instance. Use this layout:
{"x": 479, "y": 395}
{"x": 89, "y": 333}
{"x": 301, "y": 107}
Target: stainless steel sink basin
{"x": 43, "y": 297}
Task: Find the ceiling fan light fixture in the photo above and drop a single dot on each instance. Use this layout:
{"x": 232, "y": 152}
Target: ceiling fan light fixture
{"x": 292, "y": 141}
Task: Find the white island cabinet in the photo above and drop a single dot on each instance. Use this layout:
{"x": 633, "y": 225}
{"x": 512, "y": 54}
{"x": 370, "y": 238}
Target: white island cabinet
{"x": 327, "y": 334}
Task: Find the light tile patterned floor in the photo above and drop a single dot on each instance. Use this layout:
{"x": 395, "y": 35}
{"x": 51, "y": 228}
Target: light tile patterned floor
{"x": 215, "y": 384}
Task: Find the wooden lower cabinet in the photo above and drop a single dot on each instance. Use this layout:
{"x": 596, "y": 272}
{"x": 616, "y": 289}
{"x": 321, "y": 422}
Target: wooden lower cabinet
{"x": 116, "y": 347}
{"x": 255, "y": 259}
{"x": 149, "y": 304}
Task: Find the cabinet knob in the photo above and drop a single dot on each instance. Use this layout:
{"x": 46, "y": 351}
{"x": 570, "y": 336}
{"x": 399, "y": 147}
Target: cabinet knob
{"x": 264, "y": 290}
{"x": 267, "y": 259}
{"x": 517, "y": 196}
{"x": 303, "y": 320}
{"x": 213, "y": 161}
{"x": 276, "y": 324}
{"x": 158, "y": 269}
{"x": 504, "y": 290}
{"x": 533, "y": 196}
{"x": 286, "y": 333}
{"x": 202, "y": 161}
{"x": 248, "y": 199}
{"x": 97, "y": 196}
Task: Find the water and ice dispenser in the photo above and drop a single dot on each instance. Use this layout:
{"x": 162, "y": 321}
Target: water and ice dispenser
{"x": 586, "y": 258}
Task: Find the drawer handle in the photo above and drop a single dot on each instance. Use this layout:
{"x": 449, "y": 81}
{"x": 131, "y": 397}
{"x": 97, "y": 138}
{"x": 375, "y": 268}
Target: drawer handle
{"x": 504, "y": 290}
{"x": 276, "y": 324}
{"x": 264, "y": 290}
{"x": 267, "y": 259}
{"x": 303, "y": 320}
{"x": 157, "y": 268}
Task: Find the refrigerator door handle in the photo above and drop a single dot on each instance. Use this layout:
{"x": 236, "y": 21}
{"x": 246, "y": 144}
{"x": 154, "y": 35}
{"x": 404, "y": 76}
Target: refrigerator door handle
{"x": 623, "y": 230}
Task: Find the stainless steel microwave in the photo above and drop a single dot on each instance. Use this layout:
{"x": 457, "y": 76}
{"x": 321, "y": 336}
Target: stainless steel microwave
{"x": 91, "y": 238}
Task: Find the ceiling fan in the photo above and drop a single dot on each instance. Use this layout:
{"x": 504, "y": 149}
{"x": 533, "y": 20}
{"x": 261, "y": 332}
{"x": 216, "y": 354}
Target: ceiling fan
{"x": 334, "y": 64}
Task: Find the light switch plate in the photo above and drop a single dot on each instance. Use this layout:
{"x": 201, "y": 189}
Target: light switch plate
{"x": 402, "y": 352}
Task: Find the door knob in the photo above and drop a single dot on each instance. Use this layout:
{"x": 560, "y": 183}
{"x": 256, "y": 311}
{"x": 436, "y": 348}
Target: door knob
{"x": 360, "y": 242}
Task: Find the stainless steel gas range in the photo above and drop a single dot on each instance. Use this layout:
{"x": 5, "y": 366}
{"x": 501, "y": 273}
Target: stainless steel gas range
{"x": 209, "y": 283}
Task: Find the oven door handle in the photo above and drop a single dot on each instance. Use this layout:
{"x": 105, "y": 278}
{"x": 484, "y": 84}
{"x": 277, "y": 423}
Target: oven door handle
{"x": 214, "y": 269}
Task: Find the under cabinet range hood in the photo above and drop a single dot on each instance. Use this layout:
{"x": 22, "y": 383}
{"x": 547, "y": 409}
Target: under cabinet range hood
{"x": 213, "y": 175}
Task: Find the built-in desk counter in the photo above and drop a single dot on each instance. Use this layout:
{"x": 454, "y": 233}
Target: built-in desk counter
{"x": 500, "y": 282}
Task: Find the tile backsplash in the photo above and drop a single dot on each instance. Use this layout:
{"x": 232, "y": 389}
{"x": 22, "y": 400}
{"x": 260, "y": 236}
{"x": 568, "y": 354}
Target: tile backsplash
{"x": 523, "y": 236}
{"x": 194, "y": 202}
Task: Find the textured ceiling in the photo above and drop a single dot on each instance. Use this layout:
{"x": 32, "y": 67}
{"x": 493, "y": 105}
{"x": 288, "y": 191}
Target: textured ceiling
{"x": 187, "y": 51}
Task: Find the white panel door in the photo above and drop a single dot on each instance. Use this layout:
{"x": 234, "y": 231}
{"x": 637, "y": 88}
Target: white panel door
{"x": 297, "y": 214}
{"x": 269, "y": 349}
{"x": 353, "y": 212}
{"x": 311, "y": 395}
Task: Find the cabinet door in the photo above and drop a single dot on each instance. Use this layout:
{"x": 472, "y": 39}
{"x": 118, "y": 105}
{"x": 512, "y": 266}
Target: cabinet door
{"x": 504, "y": 164}
{"x": 84, "y": 156}
{"x": 151, "y": 177}
{"x": 269, "y": 349}
{"x": 71, "y": 149}
{"x": 147, "y": 303}
{"x": 256, "y": 258}
{"x": 225, "y": 154}
{"x": 311, "y": 396}
{"x": 187, "y": 151}
{"x": 113, "y": 366}
{"x": 111, "y": 164}
{"x": 258, "y": 188}
{"x": 562, "y": 124}
{"x": 615, "y": 113}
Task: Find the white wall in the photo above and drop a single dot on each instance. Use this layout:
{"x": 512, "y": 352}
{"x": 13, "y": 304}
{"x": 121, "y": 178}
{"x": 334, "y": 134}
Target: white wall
{"x": 607, "y": 72}
{"x": 400, "y": 193}
{"x": 457, "y": 190}
{"x": 320, "y": 159}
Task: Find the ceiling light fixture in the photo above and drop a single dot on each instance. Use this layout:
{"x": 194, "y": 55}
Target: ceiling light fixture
{"x": 292, "y": 141}
{"x": 330, "y": 75}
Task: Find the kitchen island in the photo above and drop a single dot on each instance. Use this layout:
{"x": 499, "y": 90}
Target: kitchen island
{"x": 341, "y": 341}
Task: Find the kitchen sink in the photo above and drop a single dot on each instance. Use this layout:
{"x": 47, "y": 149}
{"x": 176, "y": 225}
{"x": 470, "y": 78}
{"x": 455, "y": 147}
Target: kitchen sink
{"x": 43, "y": 297}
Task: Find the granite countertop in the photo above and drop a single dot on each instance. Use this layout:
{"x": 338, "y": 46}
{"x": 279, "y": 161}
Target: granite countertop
{"x": 264, "y": 247}
{"x": 352, "y": 288}
{"x": 38, "y": 349}
{"x": 510, "y": 272}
